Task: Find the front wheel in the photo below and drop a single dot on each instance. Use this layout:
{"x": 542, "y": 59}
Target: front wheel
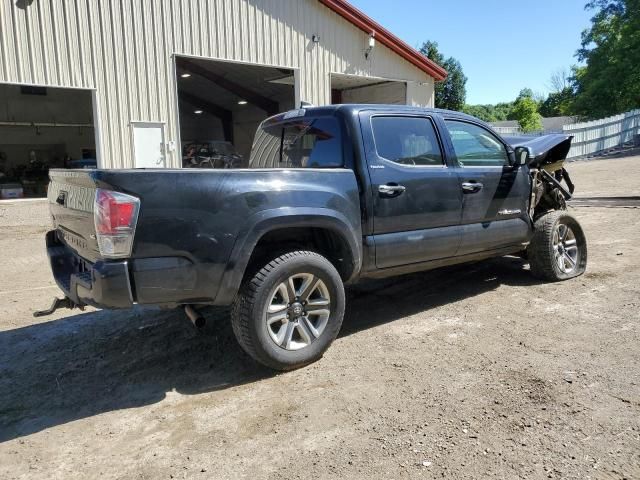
{"x": 558, "y": 249}
{"x": 290, "y": 311}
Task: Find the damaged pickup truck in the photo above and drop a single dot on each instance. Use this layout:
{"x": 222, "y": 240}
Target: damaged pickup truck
{"x": 332, "y": 195}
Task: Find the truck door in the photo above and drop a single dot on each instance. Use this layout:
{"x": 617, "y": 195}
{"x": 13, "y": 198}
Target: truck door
{"x": 495, "y": 194}
{"x": 417, "y": 202}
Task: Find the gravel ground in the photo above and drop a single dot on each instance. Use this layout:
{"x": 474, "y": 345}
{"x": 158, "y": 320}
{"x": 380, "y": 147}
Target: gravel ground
{"x": 468, "y": 372}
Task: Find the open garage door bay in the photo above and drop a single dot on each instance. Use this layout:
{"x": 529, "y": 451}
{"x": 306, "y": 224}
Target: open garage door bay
{"x": 42, "y": 128}
{"x": 221, "y": 105}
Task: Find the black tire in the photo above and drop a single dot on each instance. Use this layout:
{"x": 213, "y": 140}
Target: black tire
{"x": 546, "y": 252}
{"x": 249, "y": 310}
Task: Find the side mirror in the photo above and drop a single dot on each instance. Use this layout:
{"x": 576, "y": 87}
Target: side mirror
{"x": 522, "y": 155}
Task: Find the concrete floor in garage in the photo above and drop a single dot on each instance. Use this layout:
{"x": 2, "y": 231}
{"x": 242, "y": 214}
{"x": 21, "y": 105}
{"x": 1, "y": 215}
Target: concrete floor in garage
{"x": 468, "y": 372}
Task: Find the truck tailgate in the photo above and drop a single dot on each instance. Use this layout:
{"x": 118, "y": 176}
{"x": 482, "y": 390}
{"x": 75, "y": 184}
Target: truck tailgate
{"x": 71, "y": 198}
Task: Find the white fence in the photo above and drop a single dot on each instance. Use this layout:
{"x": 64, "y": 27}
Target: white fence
{"x": 508, "y": 130}
{"x": 598, "y": 135}
{"x": 517, "y": 132}
{"x": 594, "y": 136}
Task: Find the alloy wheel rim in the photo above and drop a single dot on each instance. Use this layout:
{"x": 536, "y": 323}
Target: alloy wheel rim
{"x": 298, "y": 311}
{"x": 565, "y": 248}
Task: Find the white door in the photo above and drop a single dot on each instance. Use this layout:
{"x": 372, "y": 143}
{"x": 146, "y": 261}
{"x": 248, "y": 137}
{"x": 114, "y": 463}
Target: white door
{"x": 148, "y": 145}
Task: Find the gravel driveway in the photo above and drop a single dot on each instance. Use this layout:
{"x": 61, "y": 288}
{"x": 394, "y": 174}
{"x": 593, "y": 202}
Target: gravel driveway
{"x": 467, "y": 372}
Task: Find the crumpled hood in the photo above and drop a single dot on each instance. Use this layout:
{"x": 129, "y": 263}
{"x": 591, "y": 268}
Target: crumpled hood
{"x": 544, "y": 148}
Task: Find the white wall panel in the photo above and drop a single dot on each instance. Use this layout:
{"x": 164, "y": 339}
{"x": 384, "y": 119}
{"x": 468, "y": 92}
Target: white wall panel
{"x": 393, "y": 93}
{"x": 421, "y": 94}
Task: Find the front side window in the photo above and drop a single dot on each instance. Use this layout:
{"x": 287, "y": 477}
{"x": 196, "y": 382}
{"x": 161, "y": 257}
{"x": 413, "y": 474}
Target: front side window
{"x": 476, "y": 146}
{"x": 407, "y": 141}
{"x": 298, "y": 143}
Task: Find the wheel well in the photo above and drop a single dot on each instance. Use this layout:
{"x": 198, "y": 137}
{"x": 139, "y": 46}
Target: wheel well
{"x": 326, "y": 242}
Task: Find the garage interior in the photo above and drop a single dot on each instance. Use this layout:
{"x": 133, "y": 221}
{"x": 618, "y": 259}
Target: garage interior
{"x": 42, "y": 128}
{"x": 223, "y": 101}
{"x": 356, "y": 89}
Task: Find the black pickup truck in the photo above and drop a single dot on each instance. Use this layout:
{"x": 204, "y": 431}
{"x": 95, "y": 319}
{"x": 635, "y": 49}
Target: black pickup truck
{"x": 332, "y": 195}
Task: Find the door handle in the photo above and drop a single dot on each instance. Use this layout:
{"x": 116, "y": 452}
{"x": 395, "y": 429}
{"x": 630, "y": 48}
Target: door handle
{"x": 391, "y": 190}
{"x": 471, "y": 187}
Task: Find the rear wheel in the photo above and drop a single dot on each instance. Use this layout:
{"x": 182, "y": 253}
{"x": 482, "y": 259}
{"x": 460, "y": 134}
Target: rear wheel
{"x": 558, "y": 249}
{"x": 290, "y": 311}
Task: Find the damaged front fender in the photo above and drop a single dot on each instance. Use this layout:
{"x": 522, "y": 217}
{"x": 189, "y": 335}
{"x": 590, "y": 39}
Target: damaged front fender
{"x": 545, "y": 155}
{"x": 544, "y": 149}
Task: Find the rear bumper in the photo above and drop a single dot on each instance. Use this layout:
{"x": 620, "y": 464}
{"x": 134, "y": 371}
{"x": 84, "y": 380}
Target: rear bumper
{"x": 101, "y": 284}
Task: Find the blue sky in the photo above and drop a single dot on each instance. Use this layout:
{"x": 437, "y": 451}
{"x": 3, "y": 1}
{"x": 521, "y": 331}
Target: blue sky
{"x": 503, "y": 45}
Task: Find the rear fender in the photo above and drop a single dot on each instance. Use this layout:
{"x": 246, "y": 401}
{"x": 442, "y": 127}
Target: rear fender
{"x": 282, "y": 218}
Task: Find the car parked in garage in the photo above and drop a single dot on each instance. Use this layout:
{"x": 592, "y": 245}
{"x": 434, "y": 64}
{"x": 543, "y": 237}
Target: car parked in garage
{"x": 333, "y": 195}
{"x": 10, "y": 190}
{"x": 212, "y": 154}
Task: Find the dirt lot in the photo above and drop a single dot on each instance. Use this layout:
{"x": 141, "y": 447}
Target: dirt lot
{"x": 469, "y": 372}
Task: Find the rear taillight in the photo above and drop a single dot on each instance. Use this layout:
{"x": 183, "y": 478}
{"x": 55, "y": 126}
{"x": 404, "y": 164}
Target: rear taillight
{"x": 115, "y": 215}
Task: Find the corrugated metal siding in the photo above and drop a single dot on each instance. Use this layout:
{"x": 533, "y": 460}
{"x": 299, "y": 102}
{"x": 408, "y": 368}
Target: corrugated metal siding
{"x": 124, "y": 48}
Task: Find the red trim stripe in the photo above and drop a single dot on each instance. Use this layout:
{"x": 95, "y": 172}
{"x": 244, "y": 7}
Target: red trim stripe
{"x": 384, "y": 36}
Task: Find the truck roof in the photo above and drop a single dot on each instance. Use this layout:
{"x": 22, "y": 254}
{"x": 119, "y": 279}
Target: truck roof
{"x": 354, "y": 108}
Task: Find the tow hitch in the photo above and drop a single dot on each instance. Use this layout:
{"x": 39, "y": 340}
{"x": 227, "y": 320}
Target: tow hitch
{"x": 65, "y": 302}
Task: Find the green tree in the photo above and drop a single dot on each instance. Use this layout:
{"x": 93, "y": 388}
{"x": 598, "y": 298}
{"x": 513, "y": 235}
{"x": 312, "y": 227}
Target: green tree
{"x": 452, "y": 92}
{"x": 525, "y": 93}
{"x": 503, "y": 110}
{"x": 430, "y": 50}
{"x": 483, "y": 112}
{"x": 609, "y": 83}
{"x": 511, "y": 113}
{"x": 558, "y": 104}
{"x": 560, "y": 100}
{"x": 525, "y": 111}
{"x": 536, "y": 96}
{"x": 490, "y": 113}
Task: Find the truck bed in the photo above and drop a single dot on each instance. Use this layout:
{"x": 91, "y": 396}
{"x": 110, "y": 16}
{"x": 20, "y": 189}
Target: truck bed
{"x": 195, "y": 228}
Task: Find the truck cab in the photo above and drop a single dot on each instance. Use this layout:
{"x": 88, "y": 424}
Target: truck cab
{"x": 441, "y": 185}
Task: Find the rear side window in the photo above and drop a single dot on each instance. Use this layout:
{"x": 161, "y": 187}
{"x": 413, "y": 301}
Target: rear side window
{"x": 476, "y": 146}
{"x": 299, "y": 143}
{"x": 407, "y": 141}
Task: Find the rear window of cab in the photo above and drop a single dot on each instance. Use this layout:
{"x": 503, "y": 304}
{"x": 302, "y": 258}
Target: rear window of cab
{"x": 298, "y": 143}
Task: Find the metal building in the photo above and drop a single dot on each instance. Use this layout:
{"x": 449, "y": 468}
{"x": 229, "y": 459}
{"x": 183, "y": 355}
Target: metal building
{"x": 149, "y": 76}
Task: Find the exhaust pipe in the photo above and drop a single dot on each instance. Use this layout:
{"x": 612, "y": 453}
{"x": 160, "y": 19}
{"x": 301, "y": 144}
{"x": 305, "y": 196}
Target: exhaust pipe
{"x": 198, "y": 320}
